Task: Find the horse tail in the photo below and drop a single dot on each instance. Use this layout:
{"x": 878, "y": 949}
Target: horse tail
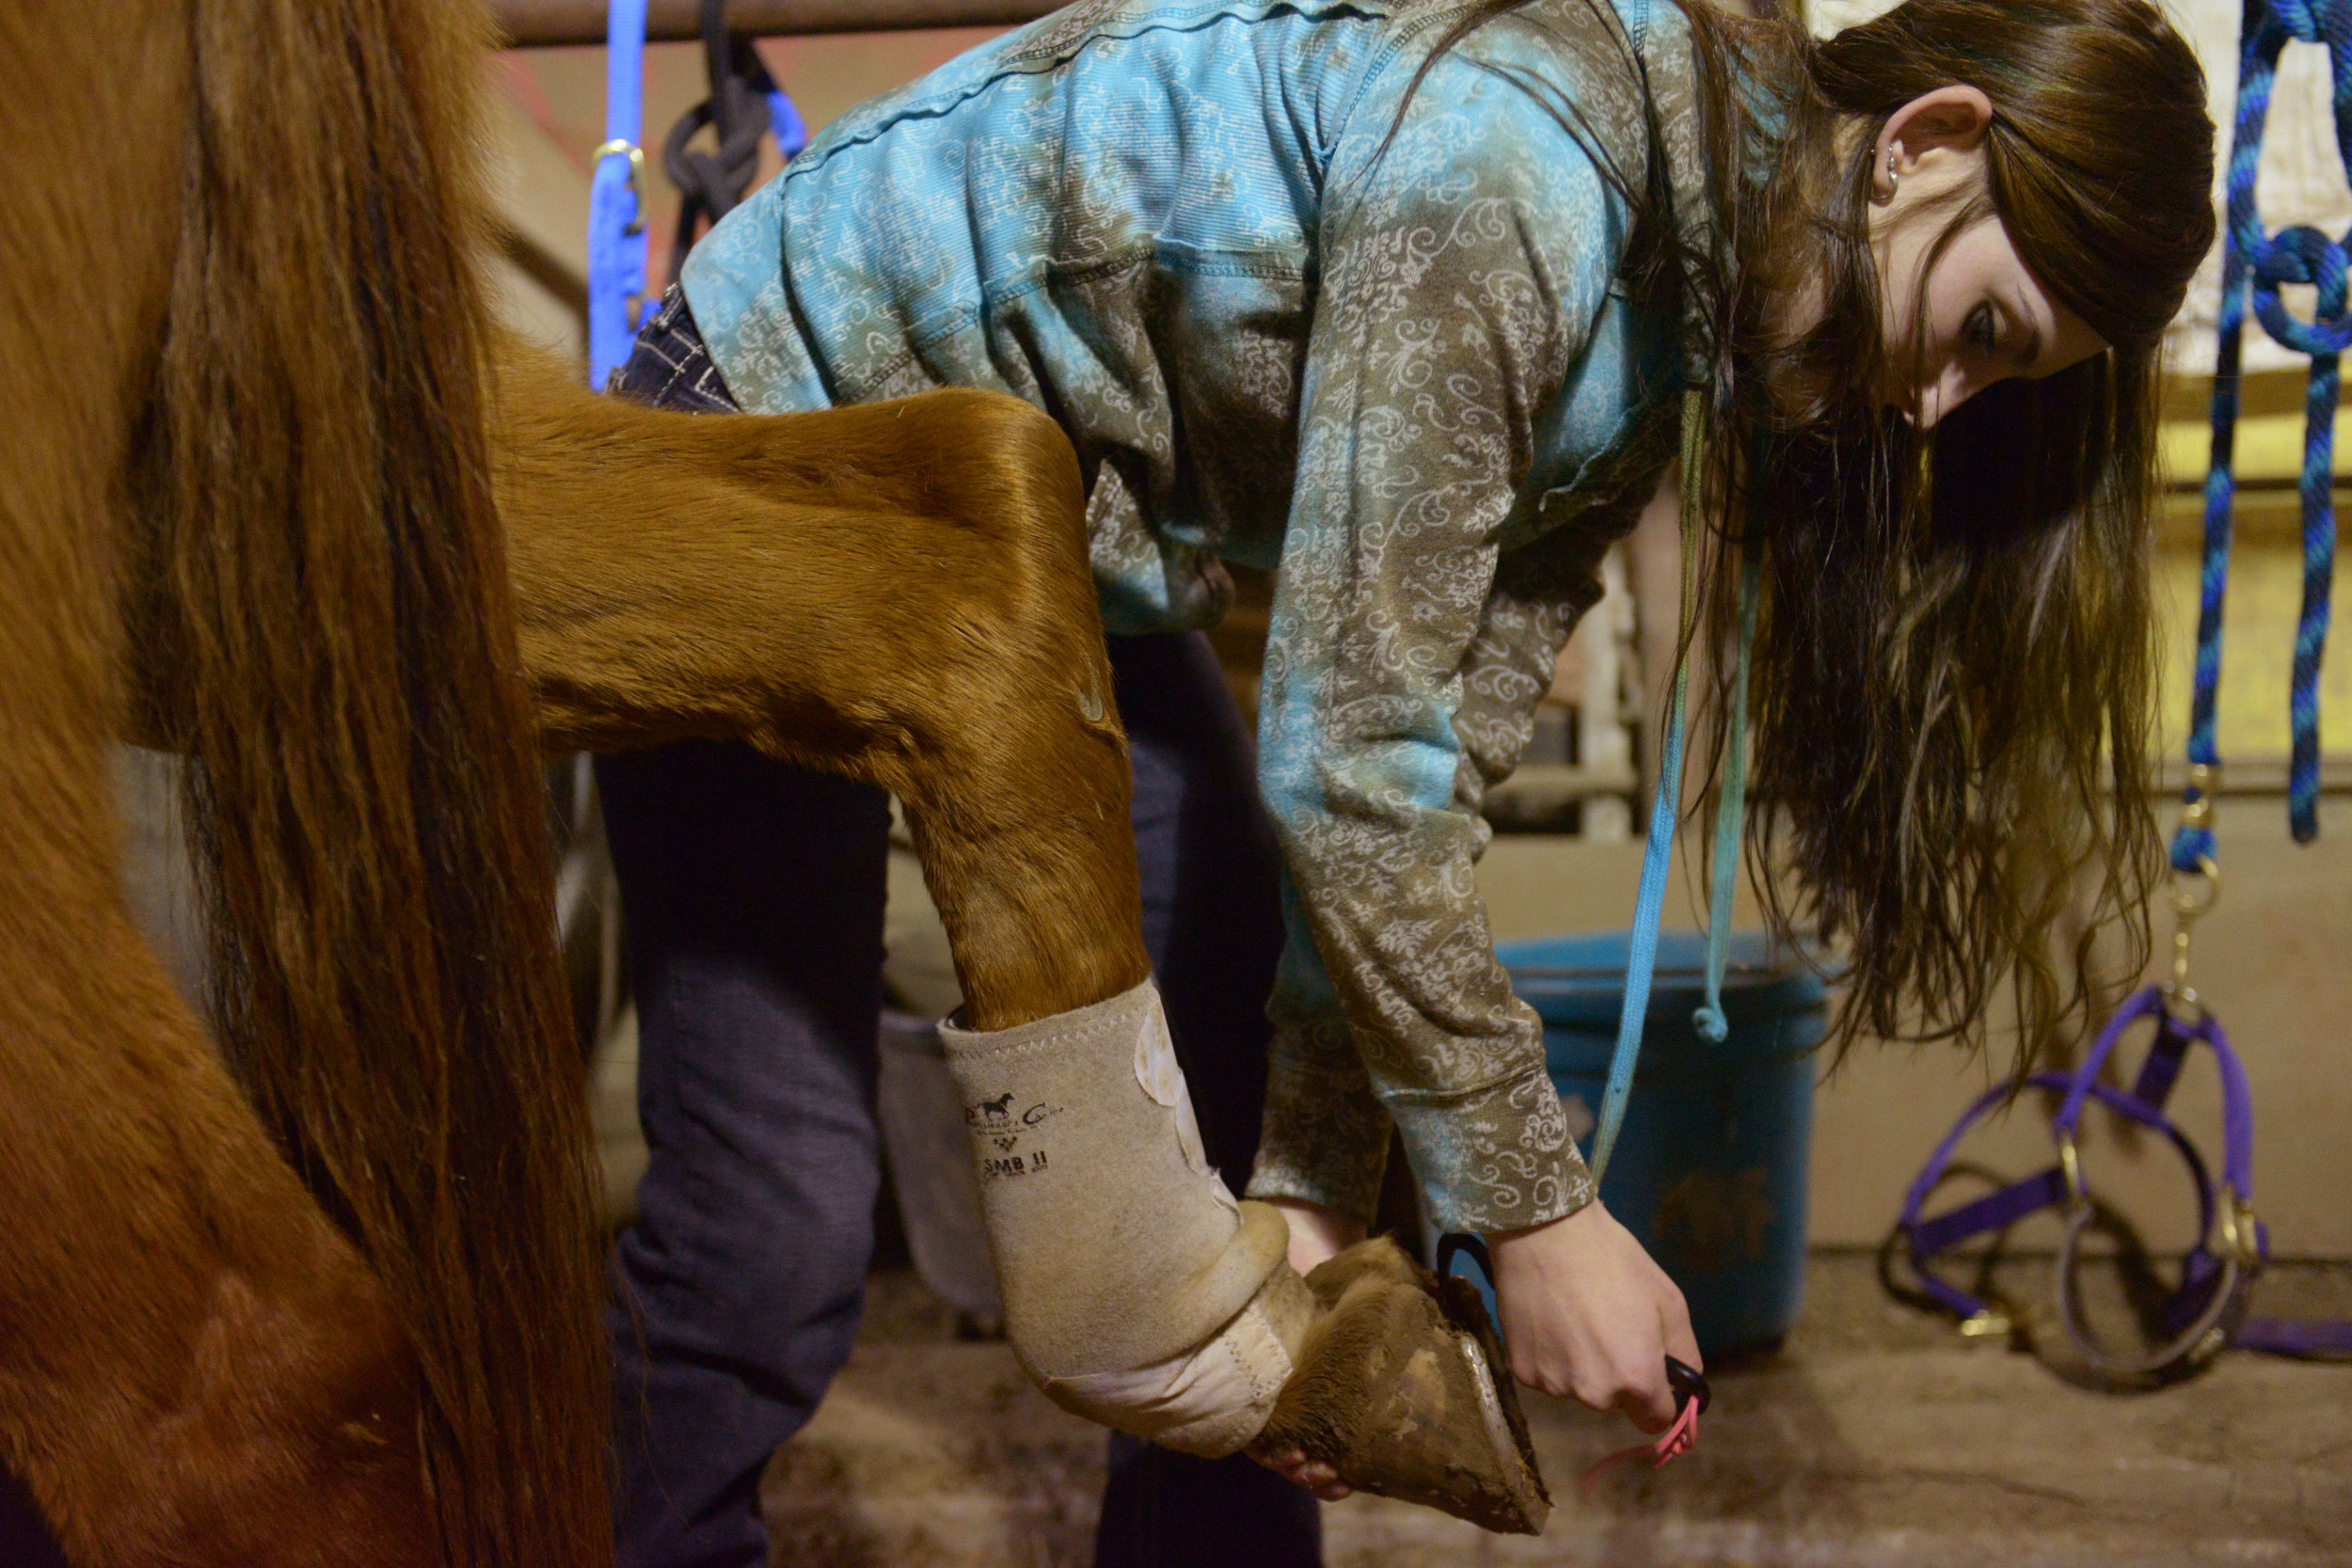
{"x": 364, "y": 785}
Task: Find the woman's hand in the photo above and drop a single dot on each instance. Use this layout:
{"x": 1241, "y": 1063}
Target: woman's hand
{"x": 1587, "y": 1316}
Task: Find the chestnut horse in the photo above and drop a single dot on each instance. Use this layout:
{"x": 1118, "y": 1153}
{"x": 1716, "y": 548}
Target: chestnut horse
{"x": 326, "y": 1289}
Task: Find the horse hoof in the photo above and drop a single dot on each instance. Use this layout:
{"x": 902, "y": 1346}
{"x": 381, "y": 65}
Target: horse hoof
{"x": 1401, "y": 1389}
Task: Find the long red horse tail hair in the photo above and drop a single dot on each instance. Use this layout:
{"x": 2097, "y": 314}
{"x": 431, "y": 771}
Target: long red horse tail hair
{"x": 364, "y": 778}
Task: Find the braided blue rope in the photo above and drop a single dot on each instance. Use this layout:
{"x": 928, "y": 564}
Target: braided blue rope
{"x": 2257, "y": 265}
{"x": 2319, "y": 566}
{"x": 785, "y": 123}
{"x": 2193, "y": 844}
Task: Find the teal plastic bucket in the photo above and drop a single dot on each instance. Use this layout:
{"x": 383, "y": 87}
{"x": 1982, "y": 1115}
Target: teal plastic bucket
{"x": 1709, "y": 1169}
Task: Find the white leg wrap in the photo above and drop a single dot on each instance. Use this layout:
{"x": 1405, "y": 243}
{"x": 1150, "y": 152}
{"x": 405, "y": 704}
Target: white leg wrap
{"x": 1215, "y": 1399}
{"x": 1137, "y": 1293}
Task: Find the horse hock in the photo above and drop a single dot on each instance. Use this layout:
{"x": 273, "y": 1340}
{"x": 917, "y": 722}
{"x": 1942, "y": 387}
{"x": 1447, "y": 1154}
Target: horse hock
{"x": 1140, "y": 1294}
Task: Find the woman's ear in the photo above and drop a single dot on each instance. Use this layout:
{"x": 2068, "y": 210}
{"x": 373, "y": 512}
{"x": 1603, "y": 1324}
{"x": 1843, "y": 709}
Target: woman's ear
{"x": 1950, "y": 118}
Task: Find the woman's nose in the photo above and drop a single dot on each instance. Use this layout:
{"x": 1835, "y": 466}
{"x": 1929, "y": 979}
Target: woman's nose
{"x": 1944, "y": 394}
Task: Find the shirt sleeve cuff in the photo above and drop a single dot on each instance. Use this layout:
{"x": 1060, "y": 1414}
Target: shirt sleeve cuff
{"x": 1324, "y": 1139}
{"x": 1495, "y": 1158}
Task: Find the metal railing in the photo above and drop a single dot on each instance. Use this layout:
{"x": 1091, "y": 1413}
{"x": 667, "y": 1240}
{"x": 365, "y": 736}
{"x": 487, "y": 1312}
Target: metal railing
{"x": 537, "y": 23}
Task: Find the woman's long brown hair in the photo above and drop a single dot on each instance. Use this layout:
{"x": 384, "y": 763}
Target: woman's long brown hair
{"x": 1956, "y": 651}
{"x": 1954, "y": 661}
{"x": 344, "y": 675}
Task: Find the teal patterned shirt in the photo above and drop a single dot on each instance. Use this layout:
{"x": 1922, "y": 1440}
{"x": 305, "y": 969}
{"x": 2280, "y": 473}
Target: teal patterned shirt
{"x": 1296, "y": 312}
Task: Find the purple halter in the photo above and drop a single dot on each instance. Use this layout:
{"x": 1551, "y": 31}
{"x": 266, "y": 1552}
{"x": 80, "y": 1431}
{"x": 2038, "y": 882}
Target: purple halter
{"x": 2207, "y": 1312}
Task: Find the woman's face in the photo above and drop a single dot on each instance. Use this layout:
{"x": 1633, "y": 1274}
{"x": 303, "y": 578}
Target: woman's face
{"x": 1976, "y": 315}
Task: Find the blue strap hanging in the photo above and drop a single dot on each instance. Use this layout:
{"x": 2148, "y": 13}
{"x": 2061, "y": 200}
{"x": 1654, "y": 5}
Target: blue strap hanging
{"x": 784, "y": 122}
{"x": 1730, "y": 811}
{"x": 616, "y": 220}
{"x": 1658, "y": 851}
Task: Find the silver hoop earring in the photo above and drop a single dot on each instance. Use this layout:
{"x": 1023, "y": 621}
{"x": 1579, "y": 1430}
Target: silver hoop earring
{"x": 1894, "y": 179}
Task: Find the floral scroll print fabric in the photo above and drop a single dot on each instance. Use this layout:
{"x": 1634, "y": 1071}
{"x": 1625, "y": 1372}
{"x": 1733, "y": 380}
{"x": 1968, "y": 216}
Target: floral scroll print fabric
{"x": 1303, "y": 295}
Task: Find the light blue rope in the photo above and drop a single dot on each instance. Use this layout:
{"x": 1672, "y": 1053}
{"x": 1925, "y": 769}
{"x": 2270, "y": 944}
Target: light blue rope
{"x": 1658, "y": 851}
{"x": 1642, "y": 959}
{"x": 616, "y": 220}
{"x": 1730, "y": 812}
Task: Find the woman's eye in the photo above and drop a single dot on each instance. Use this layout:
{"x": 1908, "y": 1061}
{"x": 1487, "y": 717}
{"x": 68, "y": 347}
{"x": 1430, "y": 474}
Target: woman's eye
{"x": 1980, "y": 329}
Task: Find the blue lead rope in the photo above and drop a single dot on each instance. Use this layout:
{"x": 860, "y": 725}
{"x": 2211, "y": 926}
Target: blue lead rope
{"x": 1658, "y": 851}
{"x": 785, "y": 123}
{"x": 616, "y": 213}
{"x": 616, "y": 219}
{"x": 2257, "y": 265}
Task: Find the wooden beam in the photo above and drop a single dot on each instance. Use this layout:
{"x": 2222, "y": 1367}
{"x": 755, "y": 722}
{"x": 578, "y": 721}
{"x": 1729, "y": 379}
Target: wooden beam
{"x": 536, "y": 23}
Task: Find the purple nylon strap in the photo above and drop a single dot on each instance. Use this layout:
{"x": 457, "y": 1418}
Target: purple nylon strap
{"x": 2295, "y": 1335}
{"x": 2237, "y": 1108}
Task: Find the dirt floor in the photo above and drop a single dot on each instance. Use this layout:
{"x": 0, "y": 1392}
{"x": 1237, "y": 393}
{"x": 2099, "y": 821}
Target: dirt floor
{"x": 1876, "y": 1436}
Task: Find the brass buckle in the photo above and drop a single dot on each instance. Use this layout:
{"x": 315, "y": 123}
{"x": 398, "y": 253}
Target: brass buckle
{"x": 636, "y": 177}
{"x": 2071, "y": 1168}
{"x": 2204, "y": 778}
{"x": 1987, "y": 1325}
{"x": 2234, "y": 1227}
{"x": 2180, "y": 999}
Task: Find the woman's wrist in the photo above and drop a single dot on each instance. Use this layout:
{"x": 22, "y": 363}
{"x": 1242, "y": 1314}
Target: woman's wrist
{"x": 1503, "y": 1241}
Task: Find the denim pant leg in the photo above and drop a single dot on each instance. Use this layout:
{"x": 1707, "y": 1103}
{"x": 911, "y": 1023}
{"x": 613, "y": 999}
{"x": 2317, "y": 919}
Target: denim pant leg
{"x": 24, "y": 1538}
{"x": 753, "y": 895}
{"x": 1213, "y": 924}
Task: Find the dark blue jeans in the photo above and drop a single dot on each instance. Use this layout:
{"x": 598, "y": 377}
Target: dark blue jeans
{"x": 753, "y": 895}
{"x": 24, "y": 1538}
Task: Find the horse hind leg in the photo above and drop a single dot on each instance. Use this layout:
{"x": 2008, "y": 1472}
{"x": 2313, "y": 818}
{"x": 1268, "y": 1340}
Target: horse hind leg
{"x": 741, "y": 577}
{"x": 194, "y": 1368}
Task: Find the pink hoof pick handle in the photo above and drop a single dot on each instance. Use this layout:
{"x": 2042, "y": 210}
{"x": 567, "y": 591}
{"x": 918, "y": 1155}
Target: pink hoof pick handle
{"x": 1690, "y": 1397}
